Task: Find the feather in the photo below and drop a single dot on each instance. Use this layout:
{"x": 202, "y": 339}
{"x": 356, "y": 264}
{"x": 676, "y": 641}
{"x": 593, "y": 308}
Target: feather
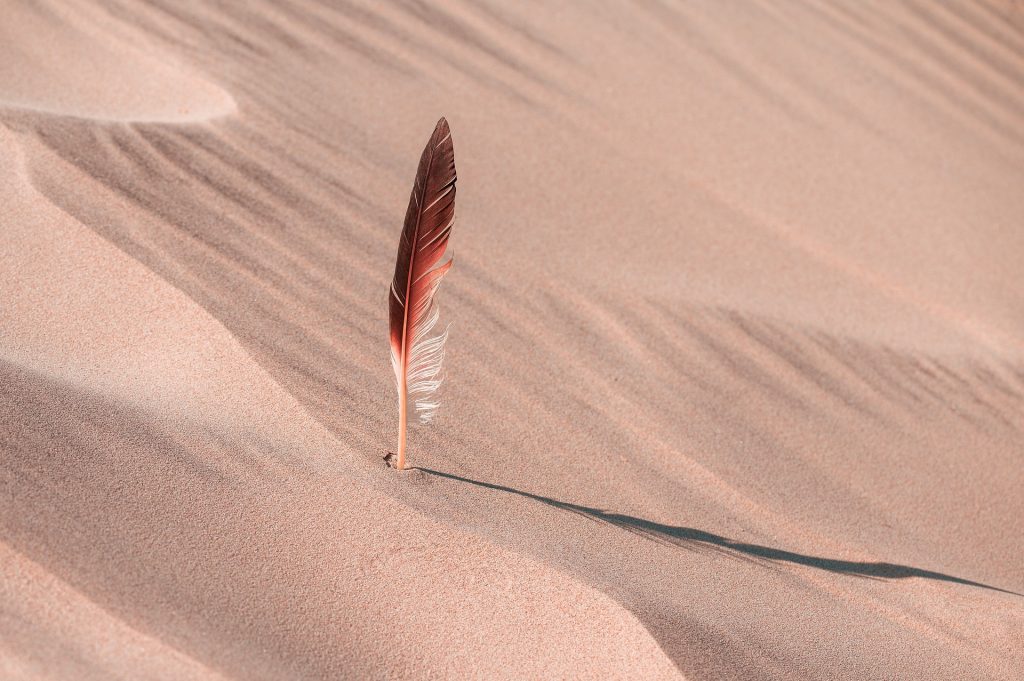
{"x": 416, "y": 350}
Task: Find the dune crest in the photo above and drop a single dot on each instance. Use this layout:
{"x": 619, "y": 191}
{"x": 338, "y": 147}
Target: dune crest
{"x": 231, "y": 551}
{"x": 59, "y": 61}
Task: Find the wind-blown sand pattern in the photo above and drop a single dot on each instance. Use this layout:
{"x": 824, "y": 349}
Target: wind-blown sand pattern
{"x": 736, "y": 371}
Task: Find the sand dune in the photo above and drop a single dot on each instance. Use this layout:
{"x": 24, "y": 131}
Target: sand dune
{"x": 736, "y": 371}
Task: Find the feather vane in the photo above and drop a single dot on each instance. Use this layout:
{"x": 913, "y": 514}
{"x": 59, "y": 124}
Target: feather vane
{"x": 417, "y": 352}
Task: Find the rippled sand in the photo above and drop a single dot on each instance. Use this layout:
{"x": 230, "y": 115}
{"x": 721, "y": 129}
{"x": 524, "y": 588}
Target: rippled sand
{"x": 736, "y": 368}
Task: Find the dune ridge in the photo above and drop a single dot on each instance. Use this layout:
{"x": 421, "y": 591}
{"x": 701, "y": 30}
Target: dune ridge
{"x": 735, "y": 381}
{"x": 70, "y": 60}
{"x": 291, "y": 586}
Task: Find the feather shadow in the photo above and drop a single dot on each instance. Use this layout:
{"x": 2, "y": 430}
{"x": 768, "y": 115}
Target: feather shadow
{"x": 688, "y": 537}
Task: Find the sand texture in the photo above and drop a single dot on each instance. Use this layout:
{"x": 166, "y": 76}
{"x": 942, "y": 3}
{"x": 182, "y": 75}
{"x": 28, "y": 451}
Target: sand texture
{"x": 735, "y": 380}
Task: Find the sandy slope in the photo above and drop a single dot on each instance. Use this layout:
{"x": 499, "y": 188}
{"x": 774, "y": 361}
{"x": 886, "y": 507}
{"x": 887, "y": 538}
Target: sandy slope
{"x": 736, "y": 375}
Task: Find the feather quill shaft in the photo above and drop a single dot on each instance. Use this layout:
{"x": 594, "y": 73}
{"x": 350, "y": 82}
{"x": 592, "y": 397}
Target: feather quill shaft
{"x": 416, "y": 351}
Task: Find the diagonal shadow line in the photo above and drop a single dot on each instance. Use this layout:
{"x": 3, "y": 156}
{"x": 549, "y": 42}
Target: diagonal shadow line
{"x": 688, "y": 537}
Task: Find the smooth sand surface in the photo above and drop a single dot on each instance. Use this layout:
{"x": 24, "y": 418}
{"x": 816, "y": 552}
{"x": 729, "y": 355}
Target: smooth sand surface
{"x": 736, "y": 368}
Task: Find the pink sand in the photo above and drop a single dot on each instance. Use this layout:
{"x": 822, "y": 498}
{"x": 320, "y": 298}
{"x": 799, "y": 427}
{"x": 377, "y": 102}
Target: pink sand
{"x": 736, "y": 369}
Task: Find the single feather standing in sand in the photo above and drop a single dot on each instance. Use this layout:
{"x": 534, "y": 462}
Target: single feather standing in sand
{"x": 416, "y": 355}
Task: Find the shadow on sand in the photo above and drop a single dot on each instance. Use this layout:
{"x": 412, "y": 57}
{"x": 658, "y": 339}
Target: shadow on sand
{"x": 688, "y": 537}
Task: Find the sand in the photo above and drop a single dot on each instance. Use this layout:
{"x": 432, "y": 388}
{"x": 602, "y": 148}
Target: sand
{"x": 735, "y": 380}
